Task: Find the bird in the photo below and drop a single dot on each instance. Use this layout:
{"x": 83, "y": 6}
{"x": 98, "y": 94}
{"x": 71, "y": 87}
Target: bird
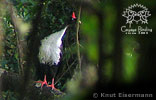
{"x": 50, "y": 51}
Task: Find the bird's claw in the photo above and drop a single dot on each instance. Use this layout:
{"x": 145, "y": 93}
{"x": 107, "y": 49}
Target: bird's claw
{"x": 52, "y": 85}
{"x": 43, "y": 82}
{"x": 46, "y": 84}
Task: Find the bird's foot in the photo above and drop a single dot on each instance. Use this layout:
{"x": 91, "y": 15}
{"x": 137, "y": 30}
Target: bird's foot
{"x": 43, "y": 82}
{"x": 52, "y": 86}
{"x": 46, "y": 84}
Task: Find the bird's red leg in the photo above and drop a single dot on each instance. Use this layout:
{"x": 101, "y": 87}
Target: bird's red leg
{"x": 52, "y": 85}
{"x": 43, "y": 82}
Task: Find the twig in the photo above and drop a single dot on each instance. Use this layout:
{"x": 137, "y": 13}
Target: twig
{"x": 77, "y": 38}
{"x": 68, "y": 66}
{"x": 65, "y": 72}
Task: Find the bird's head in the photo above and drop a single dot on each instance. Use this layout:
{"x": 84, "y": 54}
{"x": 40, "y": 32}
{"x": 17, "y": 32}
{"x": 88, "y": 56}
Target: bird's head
{"x": 72, "y": 19}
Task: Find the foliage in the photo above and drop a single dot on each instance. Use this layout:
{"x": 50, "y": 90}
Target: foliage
{"x": 10, "y": 56}
{"x": 8, "y": 95}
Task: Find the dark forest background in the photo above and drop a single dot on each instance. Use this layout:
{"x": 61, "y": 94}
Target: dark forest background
{"x": 96, "y": 55}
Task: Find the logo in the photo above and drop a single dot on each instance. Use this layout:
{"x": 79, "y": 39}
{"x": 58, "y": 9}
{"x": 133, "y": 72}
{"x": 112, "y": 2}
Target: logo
{"x": 136, "y": 14}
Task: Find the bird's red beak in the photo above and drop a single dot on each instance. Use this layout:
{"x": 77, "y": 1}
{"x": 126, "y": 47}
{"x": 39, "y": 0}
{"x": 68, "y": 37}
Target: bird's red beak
{"x": 73, "y": 15}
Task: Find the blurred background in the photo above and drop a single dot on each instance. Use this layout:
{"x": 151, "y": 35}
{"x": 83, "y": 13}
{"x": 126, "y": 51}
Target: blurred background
{"x": 96, "y": 56}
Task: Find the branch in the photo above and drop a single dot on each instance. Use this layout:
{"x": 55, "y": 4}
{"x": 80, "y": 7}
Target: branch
{"x": 77, "y": 38}
{"x": 1, "y": 33}
{"x": 18, "y": 40}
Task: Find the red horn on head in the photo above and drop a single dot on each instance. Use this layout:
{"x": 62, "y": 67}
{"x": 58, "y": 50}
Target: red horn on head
{"x": 73, "y": 15}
